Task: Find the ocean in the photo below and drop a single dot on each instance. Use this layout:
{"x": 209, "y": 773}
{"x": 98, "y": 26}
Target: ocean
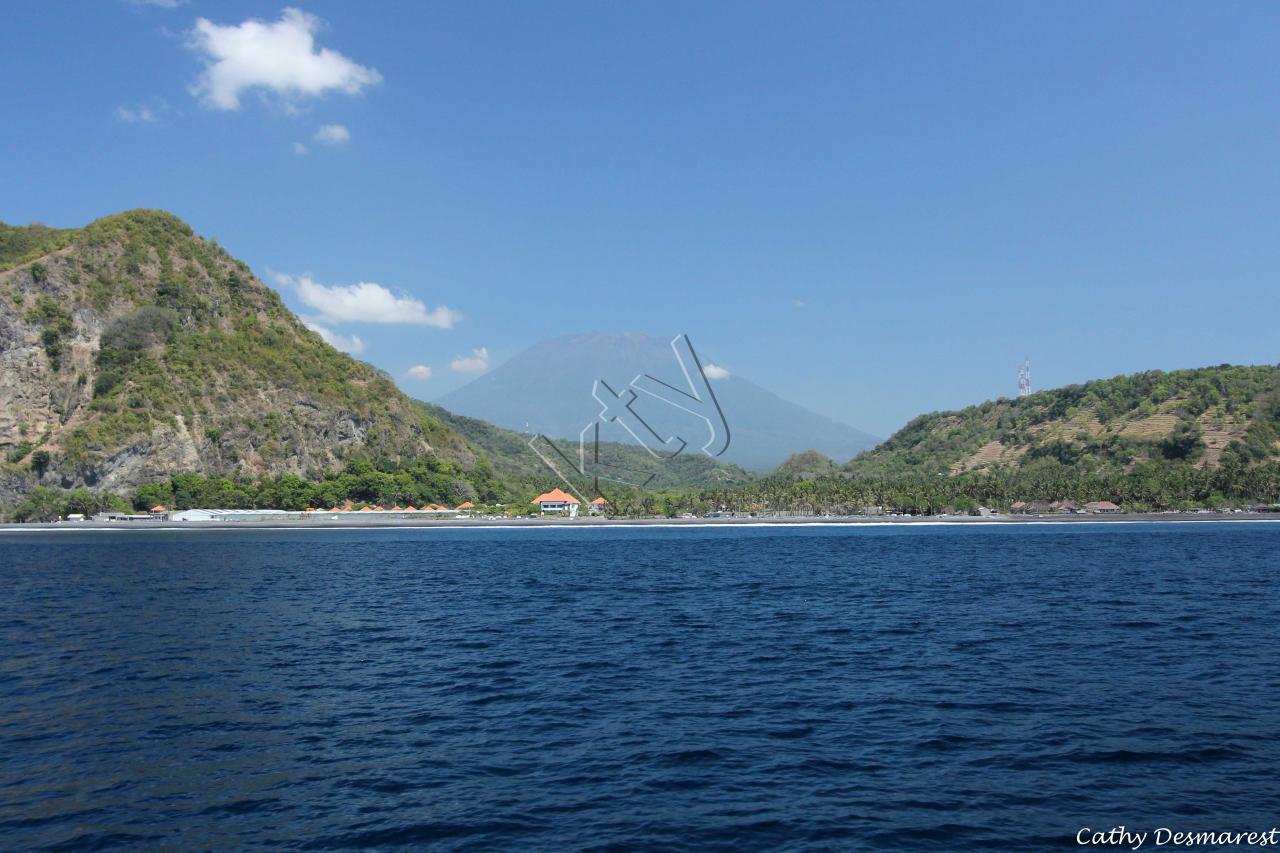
{"x": 947, "y": 687}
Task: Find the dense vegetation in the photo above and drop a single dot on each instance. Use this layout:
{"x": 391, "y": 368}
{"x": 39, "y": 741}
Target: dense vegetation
{"x": 426, "y": 480}
{"x": 1147, "y": 488}
{"x": 423, "y": 481}
{"x": 20, "y": 244}
{"x": 1224, "y": 416}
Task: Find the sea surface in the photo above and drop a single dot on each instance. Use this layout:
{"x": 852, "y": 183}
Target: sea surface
{"x": 818, "y": 688}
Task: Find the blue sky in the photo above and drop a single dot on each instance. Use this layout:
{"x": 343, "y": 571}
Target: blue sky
{"x": 873, "y": 209}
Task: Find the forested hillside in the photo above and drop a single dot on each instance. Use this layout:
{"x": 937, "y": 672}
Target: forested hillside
{"x": 133, "y": 350}
{"x": 1209, "y": 418}
{"x": 1151, "y": 441}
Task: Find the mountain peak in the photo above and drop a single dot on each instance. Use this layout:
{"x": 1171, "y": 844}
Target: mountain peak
{"x": 548, "y": 389}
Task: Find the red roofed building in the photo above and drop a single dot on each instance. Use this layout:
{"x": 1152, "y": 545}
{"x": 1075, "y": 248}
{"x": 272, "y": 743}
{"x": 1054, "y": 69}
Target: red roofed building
{"x": 466, "y": 505}
{"x": 557, "y": 500}
{"x": 597, "y": 506}
{"x": 1101, "y": 506}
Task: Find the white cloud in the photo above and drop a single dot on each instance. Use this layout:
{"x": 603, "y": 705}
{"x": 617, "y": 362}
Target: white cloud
{"x": 420, "y": 371}
{"x": 333, "y": 134}
{"x": 299, "y": 149}
{"x": 139, "y": 115}
{"x": 800, "y": 303}
{"x": 351, "y": 344}
{"x": 714, "y": 371}
{"x": 366, "y": 302}
{"x": 279, "y": 57}
{"x": 477, "y": 362}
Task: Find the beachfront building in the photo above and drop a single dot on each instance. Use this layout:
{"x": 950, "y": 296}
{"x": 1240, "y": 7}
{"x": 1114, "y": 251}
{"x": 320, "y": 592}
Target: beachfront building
{"x": 598, "y": 506}
{"x": 1101, "y": 506}
{"x": 557, "y": 500}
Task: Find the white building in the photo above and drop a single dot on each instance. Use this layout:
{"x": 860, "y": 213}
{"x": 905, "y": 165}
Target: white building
{"x": 557, "y": 500}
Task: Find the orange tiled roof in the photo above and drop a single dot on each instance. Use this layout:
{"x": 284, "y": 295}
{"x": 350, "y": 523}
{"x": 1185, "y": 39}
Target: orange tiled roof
{"x": 599, "y": 502}
{"x": 555, "y": 495}
{"x": 466, "y": 505}
{"x": 158, "y": 508}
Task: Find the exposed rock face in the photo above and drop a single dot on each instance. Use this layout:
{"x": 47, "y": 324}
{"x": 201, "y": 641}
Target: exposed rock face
{"x": 139, "y": 350}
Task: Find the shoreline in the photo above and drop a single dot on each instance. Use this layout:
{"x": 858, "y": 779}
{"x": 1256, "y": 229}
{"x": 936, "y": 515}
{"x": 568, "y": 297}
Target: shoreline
{"x": 365, "y": 523}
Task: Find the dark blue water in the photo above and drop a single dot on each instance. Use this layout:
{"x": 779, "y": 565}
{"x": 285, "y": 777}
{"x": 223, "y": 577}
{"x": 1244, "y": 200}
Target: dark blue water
{"x": 896, "y": 688}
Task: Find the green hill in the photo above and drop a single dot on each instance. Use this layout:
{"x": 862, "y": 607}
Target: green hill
{"x": 1209, "y": 418}
{"x": 1186, "y": 439}
{"x": 133, "y": 350}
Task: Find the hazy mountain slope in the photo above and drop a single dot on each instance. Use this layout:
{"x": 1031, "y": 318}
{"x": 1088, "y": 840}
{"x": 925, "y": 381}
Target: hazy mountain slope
{"x": 1211, "y": 417}
{"x": 136, "y": 350}
{"x": 548, "y": 387}
{"x": 515, "y": 462}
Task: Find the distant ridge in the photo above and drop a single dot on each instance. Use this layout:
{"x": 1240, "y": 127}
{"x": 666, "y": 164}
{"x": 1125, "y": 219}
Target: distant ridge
{"x": 548, "y": 387}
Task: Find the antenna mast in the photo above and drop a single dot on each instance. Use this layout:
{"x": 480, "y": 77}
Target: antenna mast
{"x": 1024, "y": 379}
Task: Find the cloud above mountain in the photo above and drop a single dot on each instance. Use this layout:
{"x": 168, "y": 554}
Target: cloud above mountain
{"x": 477, "y": 362}
{"x": 278, "y": 58}
{"x": 366, "y": 302}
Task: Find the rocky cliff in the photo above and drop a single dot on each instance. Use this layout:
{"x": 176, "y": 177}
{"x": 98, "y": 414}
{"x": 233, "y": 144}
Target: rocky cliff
{"x": 132, "y": 349}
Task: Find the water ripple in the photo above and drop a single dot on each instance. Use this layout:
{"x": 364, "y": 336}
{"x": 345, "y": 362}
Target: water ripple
{"x": 699, "y": 689}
